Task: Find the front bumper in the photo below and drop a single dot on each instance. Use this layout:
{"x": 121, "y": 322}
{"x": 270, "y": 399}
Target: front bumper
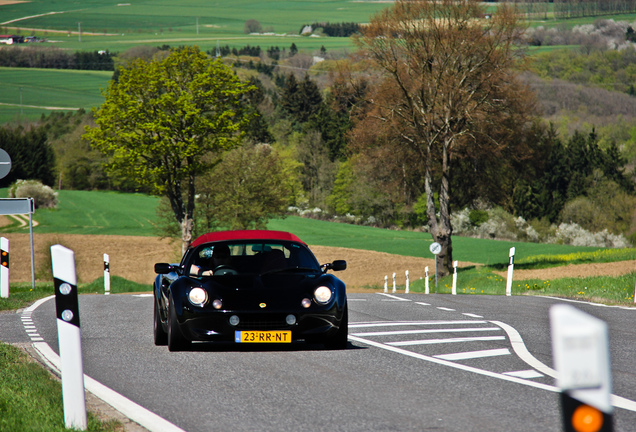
{"x": 206, "y": 325}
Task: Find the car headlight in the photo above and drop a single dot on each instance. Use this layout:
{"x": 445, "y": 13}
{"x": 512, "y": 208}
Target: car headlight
{"x": 198, "y": 296}
{"x": 322, "y": 294}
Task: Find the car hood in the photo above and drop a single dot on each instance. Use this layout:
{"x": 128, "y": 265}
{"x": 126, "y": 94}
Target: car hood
{"x": 279, "y": 290}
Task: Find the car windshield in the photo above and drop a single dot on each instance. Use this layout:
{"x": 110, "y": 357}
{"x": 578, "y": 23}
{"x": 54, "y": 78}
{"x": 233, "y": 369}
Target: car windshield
{"x": 250, "y": 257}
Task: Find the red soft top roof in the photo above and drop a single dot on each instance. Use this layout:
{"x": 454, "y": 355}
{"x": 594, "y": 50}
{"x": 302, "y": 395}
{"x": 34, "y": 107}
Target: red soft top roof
{"x": 245, "y": 235}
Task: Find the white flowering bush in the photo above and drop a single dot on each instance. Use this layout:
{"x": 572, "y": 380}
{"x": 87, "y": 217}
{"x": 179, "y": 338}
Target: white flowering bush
{"x": 43, "y": 196}
{"x": 460, "y": 221}
{"x": 503, "y": 226}
{"x": 575, "y": 235}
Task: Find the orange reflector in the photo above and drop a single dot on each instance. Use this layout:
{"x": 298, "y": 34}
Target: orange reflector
{"x": 587, "y": 419}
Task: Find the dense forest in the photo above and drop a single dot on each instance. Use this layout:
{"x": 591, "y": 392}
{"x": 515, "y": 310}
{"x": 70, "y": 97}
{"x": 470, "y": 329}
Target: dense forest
{"x": 573, "y": 163}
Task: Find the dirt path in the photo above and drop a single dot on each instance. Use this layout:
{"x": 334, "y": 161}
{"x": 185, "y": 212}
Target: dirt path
{"x": 133, "y": 258}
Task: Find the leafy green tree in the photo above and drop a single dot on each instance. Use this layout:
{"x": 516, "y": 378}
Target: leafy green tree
{"x": 340, "y": 198}
{"x": 246, "y": 189}
{"x": 167, "y": 121}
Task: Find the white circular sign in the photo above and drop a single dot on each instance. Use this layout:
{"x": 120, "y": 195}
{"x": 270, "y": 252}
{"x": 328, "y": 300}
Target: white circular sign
{"x": 5, "y": 163}
{"x": 435, "y": 248}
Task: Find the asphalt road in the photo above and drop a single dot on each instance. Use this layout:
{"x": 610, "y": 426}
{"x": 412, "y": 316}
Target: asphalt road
{"x": 414, "y": 363}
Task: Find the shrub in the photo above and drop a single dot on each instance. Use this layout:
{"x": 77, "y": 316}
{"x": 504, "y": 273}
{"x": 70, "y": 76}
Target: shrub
{"x": 573, "y": 234}
{"x": 501, "y": 225}
{"x": 478, "y": 217}
{"x": 43, "y": 196}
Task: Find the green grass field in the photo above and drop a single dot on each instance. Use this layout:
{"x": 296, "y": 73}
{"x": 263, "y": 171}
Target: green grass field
{"x": 117, "y": 26}
{"x": 26, "y": 93}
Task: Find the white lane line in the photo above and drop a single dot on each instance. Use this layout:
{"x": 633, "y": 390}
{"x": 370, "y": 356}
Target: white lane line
{"x": 352, "y": 299}
{"x": 472, "y": 315}
{"x": 444, "y": 341}
{"x": 590, "y": 303}
{"x": 522, "y": 352}
{"x": 423, "y": 304}
{"x": 454, "y": 365}
{"x": 527, "y": 374}
{"x": 413, "y": 323}
{"x": 142, "y": 295}
{"x": 130, "y": 409}
{"x": 474, "y": 354}
{"x": 392, "y": 297}
{"x": 407, "y": 332}
{"x": 446, "y": 309}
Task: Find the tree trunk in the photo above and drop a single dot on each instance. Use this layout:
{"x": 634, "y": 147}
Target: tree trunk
{"x": 441, "y": 229}
{"x": 186, "y": 233}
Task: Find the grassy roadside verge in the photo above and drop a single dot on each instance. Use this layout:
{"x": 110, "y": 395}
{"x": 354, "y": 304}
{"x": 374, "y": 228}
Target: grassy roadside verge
{"x": 31, "y": 399}
{"x": 482, "y": 281}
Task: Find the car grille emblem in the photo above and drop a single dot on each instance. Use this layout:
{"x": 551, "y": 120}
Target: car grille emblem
{"x": 262, "y": 305}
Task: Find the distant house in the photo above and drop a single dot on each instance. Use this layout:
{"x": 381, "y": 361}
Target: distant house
{"x": 11, "y": 39}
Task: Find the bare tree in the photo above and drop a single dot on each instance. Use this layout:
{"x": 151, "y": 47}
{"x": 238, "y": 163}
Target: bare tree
{"x": 449, "y": 83}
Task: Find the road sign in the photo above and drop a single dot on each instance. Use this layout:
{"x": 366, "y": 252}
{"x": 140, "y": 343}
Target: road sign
{"x": 5, "y": 163}
{"x": 435, "y": 248}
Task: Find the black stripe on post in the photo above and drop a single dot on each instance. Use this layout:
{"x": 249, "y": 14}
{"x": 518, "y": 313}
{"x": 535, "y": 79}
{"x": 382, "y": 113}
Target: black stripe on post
{"x": 66, "y": 302}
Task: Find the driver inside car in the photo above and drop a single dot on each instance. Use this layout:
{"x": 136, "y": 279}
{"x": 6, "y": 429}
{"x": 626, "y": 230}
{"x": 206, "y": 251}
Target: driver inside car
{"x": 220, "y": 257}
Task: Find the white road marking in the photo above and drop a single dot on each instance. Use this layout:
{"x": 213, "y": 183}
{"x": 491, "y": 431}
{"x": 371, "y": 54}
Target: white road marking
{"x": 412, "y": 323}
{"x": 392, "y": 297}
{"x": 527, "y": 374}
{"x": 130, "y": 409}
{"x": 472, "y": 315}
{"x": 407, "y": 332}
{"x": 423, "y": 304}
{"x": 454, "y": 365}
{"x": 444, "y": 341}
{"x": 522, "y": 352}
{"x": 446, "y": 309}
{"x": 591, "y": 303}
{"x": 474, "y": 354}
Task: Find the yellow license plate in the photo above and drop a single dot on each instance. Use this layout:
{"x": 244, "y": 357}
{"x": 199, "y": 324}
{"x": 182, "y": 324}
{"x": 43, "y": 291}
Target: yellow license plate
{"x": 283, "y": 336}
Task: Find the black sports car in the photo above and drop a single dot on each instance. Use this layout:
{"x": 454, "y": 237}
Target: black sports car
{"x": 251, "y": 286}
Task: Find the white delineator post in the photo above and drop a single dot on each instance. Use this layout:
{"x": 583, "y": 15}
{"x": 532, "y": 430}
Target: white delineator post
{"x": 455, "y": 278}
{"x": 69, "y": 337}
{"x": 580, "y": 348}
{"x": 511, "y": 265}
{"x": 386, "y": 284}
{"x": 106, "y": 274}
{"x": 4, "y": 267}
{"x": 426, "y": 291}
{"x": 394, "y": 288}
{"x": 407, "y": 282}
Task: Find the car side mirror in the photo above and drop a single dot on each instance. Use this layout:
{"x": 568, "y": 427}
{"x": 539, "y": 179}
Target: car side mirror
{"x": 337, "y": 265}
{"x": 164, "y": 268}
